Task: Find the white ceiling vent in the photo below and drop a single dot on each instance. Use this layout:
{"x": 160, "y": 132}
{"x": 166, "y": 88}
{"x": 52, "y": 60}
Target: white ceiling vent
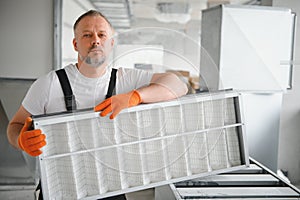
{"x": 117, "y": 12}
{"x": 173, "y": 12}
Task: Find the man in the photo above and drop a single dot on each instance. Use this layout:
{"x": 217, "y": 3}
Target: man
{"x": 89, "y": 79}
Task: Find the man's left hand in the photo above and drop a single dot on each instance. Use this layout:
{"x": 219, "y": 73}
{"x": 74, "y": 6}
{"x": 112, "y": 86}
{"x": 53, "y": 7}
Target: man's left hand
{"x": 117, "y": 103}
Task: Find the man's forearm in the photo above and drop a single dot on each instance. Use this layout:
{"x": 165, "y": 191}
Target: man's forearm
{"x": 13, "y": 131}
{"x": 165, "y": 87}
{"x": 15, "y": 126}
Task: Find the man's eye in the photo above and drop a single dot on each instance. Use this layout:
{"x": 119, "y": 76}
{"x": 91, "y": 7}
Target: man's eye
{"x": 102, "y": 35}
{"x": 87, "y": 35}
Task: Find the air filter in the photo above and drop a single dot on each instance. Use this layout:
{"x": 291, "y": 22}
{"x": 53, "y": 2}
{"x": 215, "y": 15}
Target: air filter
{"x": 88, "y": 156}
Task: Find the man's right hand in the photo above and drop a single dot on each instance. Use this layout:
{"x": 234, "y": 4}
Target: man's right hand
{"x": 31, "y": 141}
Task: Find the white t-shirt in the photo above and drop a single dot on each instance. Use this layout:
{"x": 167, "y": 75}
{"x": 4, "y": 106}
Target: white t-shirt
{"x": 46, "y": 95}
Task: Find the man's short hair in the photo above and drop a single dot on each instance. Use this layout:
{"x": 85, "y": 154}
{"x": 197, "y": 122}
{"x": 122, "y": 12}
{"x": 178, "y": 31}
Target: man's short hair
{"x": 91, "y": 13}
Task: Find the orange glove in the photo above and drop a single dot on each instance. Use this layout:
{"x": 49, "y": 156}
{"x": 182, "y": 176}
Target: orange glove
{"x": 117, "y": 103}
{"x": 31, "y": 140}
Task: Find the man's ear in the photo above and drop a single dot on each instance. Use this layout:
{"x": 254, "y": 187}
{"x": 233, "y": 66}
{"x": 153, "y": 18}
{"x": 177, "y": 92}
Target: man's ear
{"x": 112, "y": 42}
{"x": 75, "y": 44}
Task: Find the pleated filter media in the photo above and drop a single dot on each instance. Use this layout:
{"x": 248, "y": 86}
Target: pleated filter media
{"x": 89, "y": 157}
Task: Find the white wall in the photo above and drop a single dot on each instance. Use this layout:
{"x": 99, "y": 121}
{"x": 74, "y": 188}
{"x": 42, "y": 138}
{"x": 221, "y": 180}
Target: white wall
{"x": 289, "y": 136}
{"x": 26, "y": 44}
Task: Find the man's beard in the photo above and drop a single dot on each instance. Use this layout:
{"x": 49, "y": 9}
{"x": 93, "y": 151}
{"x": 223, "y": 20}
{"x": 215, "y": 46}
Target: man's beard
{"x": 95, "y": 61}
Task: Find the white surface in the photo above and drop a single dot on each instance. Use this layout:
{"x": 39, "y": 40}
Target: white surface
{"x": 128, "y": 55}
{"x": 237, "y": 192}
{"x": 255, "y": 41}
{"x": 289, "y": 138}
{"x": 262, "y": 118}
{"x": 248, "y": 45}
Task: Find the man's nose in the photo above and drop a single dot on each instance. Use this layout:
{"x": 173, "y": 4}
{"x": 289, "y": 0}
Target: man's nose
{"x": 96, "y": 40}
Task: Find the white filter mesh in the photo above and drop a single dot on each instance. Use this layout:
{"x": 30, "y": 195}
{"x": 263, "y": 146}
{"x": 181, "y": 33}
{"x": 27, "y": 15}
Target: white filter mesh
{"x": 151, "y": 123}
{"x": 109, "y": 173}
{"x": 175, "y": 152}
{"x": 230, "y": 115}
{"x": 105, "y": 136}
{"x": 133, "y": 165}
{"x": 233, "y": 150}
{"x": 154, "y": 157}
{"x": 91, "y": 174}
{"x": 127, "y": 127}
{"x": 214, "y": 113}
{"x": 197, "y": 151}
{"x": 217, "y": 152}
{"x": 193, "y": 116}
{"x": 171, "y": 123}
{"x": 66, "y": 178}
{"x": 98, "y": 157}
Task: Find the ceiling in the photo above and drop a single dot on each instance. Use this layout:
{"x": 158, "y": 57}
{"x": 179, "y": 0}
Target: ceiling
{"x": 125, "y": 14}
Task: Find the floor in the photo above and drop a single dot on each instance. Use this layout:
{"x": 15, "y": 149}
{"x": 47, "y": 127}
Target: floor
{"x": 27, "y": 193}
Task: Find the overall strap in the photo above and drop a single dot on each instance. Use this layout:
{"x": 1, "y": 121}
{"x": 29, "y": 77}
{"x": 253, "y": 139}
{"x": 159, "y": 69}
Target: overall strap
{"x": 70, "y": 100}
{"x": 67, "y": 90}
{"x": 112, "y": 83}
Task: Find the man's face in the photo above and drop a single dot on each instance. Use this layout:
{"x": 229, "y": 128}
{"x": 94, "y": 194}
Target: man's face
{"x": 93, "y": 40}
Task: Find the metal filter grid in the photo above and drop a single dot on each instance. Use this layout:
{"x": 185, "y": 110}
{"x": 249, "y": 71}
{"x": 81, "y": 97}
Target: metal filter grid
{"x": 184, "y": 168}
